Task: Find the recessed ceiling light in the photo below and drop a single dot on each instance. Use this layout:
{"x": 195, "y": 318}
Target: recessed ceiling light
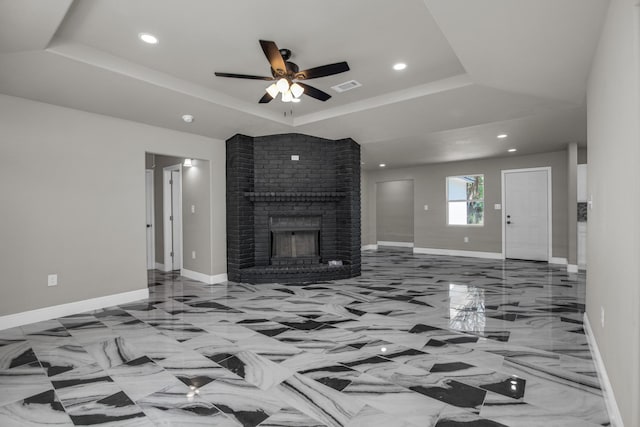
{"x": 188, "y": 118}
{"x": 502, "y": 136}
{"x": 148, "y": 38}
{"x": 512, "y": 150}
{"x": 382, "y": 165}
{"x": 400, "y": 66}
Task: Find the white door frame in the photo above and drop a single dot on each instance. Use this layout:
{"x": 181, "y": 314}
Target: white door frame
{"x": 151, "y": 243}
{"x": 166, "y": 209}
{"x": 549, "y": 207}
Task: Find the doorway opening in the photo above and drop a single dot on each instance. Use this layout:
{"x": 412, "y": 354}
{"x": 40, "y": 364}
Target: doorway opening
{"x": 394, "y": 213}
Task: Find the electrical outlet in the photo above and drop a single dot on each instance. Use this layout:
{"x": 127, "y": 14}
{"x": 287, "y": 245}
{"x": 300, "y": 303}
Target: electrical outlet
{"x": 602, "y": 316}
{"x": 52, "y": 280}
{"x": 193, "y": 209}
{"x": 466, "y": 239}
{"x": 193, "y": 254}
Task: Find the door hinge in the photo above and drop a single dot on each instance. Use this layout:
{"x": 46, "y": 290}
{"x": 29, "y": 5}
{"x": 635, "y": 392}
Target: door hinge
{"x": 171, "y": 181}
{"x": 171, "y": 254}
{"x": 170, "y": 217}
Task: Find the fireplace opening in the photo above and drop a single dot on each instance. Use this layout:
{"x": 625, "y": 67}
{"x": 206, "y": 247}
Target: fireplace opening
{"x": 295, "y": 240}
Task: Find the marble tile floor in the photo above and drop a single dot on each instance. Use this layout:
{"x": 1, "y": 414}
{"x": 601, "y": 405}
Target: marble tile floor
{"x": 416, "y": 341}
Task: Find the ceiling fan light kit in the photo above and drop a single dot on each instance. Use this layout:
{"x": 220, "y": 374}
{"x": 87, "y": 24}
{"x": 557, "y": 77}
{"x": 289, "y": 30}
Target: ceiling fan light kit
{"x": 286, "y": 75}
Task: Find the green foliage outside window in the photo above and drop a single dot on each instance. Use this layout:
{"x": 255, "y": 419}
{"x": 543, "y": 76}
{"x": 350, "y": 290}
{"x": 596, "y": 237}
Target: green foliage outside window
{"x": 475, "y": 200}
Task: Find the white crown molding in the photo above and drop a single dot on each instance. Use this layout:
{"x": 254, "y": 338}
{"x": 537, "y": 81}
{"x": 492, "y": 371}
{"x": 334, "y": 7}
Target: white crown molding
{"x": 55, "y": 311}
{"x": 106, "y": 61}
{"x": 431, "y": 88}
{"x": 454, "y": 252}
{"x": 609, "y": 398}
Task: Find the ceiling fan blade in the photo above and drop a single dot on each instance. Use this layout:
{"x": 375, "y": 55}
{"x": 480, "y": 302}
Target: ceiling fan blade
{"x": 272, "y": 53}
{"x": 322, "y": 71}
{"x": 243, "y": 76}
{"x": 314, "y": 93}
{"x": 266, "y": 98}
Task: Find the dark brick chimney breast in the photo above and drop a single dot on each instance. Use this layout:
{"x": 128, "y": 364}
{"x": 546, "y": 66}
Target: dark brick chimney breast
{"x": 309, "y": 184}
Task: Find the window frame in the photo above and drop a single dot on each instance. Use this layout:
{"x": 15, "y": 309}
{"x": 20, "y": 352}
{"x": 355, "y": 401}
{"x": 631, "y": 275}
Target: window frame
{"x": 448, "y": 201}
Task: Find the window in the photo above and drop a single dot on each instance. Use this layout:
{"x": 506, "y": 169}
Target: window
{"x": 465, "y": 200}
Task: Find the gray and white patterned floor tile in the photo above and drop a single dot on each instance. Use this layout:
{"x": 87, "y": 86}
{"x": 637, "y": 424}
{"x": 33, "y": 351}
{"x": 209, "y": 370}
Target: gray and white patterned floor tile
{"x": 416, "y": 341}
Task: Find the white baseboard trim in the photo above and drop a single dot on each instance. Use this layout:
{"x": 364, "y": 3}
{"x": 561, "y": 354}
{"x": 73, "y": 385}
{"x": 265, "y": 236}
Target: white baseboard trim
{"x": 396, "y": 244}
{"x": 572, "y": 268}
{"x": 219, "y": 278}
{"x": 558, "y": 260}
{"x": 455, "y": 252}
{"x": 369, "y": 248}
{"x": 210, "y": 280}
{"x": 159, "y": 266}
{"x": 55, "y": 311}
{"x": 609, "y": 398}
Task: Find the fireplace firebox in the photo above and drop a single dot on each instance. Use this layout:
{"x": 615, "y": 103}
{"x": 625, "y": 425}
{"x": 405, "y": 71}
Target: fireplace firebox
{"x": 295, "y": 240}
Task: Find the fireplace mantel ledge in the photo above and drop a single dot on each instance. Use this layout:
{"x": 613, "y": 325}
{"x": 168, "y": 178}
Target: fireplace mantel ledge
{"x": 293, "y": 196}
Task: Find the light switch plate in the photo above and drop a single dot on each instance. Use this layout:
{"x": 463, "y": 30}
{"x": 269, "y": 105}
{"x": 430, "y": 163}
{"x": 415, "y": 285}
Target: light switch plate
{"x": 426, "y": 207}
{"x": 497, "y": 206}
{"x": 295, "y": 157}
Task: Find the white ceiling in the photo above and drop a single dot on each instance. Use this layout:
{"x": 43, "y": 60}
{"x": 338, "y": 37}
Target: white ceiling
{"x": 476, "y": 68}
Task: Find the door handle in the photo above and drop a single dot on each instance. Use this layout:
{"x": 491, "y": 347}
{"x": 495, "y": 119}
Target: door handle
{"x": 148, "y": 225}
{"x": 508, "y": 222}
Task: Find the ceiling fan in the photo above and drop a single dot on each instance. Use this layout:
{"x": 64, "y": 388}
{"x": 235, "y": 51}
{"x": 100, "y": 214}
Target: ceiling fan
{"x": 287, "y": 76}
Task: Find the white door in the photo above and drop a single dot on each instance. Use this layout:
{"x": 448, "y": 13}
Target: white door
{"x": 151, "y": 256}
{"x": 172, "y": 208}
{"x": 176, "y": 214}
{"x": 527, "y": 218}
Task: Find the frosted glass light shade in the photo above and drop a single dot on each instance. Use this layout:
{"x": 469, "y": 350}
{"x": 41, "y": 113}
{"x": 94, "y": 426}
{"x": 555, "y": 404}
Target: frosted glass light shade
{"x": 297, "y": 90}
{"x": 287, "y": 96}
{"x": 273, "y": 90}
{"x": 282, "y": 85}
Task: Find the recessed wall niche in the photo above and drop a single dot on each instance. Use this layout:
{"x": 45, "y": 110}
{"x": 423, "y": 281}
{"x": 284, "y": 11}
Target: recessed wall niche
{"x": 293, "y": 209}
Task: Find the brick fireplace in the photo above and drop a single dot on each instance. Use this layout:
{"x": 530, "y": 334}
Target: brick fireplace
{"x": 293, "y": 209}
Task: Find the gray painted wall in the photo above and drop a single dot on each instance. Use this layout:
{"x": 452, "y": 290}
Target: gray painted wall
{"x": 430, "y": 227}
{"x": 364, "y": 219}
{"x": 73, "y": 202}
{"x": 196, "y": 227}
{"x": 394, "y": 211}
{"x": 613, "y": 236}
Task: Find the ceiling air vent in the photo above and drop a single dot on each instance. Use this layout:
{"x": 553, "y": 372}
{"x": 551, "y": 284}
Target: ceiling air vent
{"x": 343, "y": 87}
